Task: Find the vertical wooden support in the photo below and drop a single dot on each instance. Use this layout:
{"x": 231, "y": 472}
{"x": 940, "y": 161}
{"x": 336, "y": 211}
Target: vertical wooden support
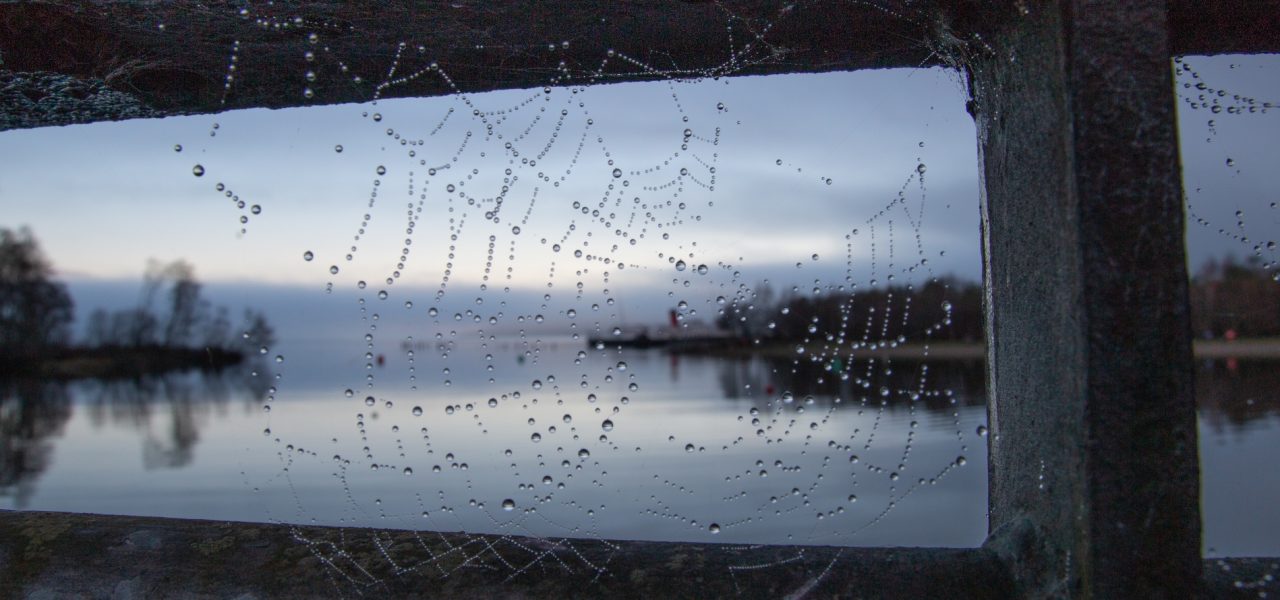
{"x": 1094, "y": 468}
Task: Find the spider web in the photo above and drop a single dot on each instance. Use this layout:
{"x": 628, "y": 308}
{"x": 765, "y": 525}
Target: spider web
{"x": 534, "y": 461}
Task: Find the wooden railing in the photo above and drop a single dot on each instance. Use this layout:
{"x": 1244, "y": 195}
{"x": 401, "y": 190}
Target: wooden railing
{"x": 1094, "y": 485}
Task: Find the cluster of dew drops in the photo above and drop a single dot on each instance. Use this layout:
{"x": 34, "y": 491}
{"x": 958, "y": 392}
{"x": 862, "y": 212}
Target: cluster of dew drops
{"x": 1197, "y": 93}
{"x": 635, "y": 204}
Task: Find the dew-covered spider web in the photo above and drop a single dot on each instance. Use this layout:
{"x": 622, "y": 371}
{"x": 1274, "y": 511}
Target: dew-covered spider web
{"x": 684, "y": 309}
{"x": 1223, "y": 199}
{"x": 1228, "y": 127}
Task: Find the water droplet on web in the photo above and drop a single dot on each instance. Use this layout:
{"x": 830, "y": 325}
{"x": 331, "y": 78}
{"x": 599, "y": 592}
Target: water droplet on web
{"x": 584, "y": 453}
{"x": 333, "y": 269}
{"x": 508, "y": 504}
{"x": 536, "y": 437}
{"x": 338, "y": 148}
{"x": 702, "y": 269}
{"x": 308, "y": 255}
{"x": 177, "y": 147}
{"x": 714, "y": 528}
{"x": 198, "y": 170}
{"x": 982, "y": 430}
{"x": 680, "y": 266}
{"x": 417, "y": 411}
{"x": 921, "y": 168}
{"x": 607, "y": 425}
{"x": 381, "y": 170}
{"x": 617, "y": 173}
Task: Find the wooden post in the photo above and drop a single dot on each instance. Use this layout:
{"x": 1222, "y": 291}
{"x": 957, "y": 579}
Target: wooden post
{"x": 1094, "y": 476}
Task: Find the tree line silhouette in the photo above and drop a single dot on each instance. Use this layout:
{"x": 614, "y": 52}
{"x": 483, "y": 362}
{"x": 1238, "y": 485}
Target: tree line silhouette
{"x": 172, "y": 326}
{"x": 1228, "y": 298}
{"x": 1232, "y": 296}
{"x": 945, "y": 308}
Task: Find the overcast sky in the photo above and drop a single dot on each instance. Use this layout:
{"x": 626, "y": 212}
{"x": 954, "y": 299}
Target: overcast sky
{"x": 104, "y": 198}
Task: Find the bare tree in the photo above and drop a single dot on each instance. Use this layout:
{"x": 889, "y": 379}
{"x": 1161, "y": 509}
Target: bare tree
{"x": 134, "y": 327}
{"x": 184, "y": 304}
{"x": 35, "y": 312}
{"x": 98, "y": 329}
{"x": 183, "y": 294}
{"x": 258, "y": 334}
{"x": 217, "y": 332}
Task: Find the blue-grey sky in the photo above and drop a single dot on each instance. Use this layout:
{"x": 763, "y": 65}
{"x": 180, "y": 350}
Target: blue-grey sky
{"x": 106, "y": 197}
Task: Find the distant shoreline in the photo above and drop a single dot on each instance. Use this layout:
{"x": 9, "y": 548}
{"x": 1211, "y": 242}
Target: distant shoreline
{"x": 1257, "y": 348}
{"x": 119, "y": 362}
{"x": 1242, "y": 348}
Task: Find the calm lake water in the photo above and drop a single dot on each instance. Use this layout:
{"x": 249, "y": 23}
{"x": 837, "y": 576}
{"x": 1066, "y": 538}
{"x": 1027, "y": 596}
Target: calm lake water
{"x": 580, "y": 442}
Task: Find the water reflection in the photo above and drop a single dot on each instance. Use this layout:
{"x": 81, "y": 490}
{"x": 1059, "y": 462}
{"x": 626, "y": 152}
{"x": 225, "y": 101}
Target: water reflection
{"x": 1235, "y": 394}
{"x": 191, "y": 445}
{"x": 165, "y": 410}
{"x": 935, "y": 386}
{"x": 32, "y": 415}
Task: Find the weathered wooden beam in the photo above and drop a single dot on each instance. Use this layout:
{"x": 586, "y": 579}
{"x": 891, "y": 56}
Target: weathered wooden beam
{"x": 1094, "y": 472}
{"x": 479, "y": 46}
{"x": 1230, "y": 27}
{"x": 174, "y": 56}
{"x": 75, "y": 555}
